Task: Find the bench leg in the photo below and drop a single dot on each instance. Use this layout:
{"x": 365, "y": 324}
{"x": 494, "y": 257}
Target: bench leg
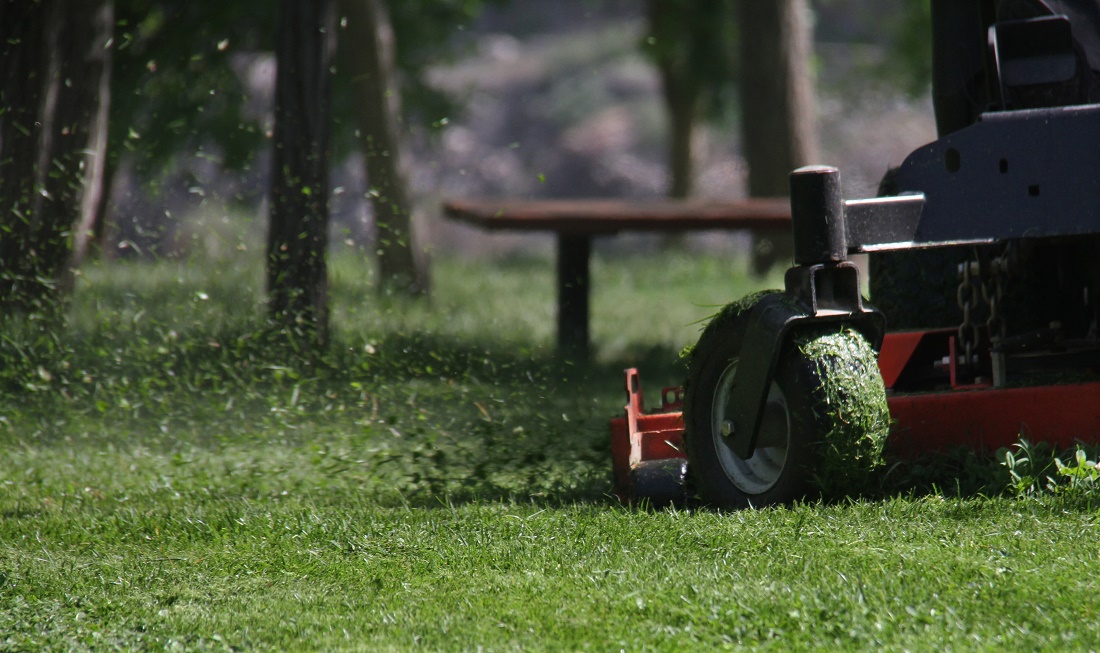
{"x": 573, "y": 282}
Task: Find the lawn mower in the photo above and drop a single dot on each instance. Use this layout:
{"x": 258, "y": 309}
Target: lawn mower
{"x": 985, "y": 276}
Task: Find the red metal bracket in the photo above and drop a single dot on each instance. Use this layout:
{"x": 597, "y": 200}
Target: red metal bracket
{"x": 638, "y": 436}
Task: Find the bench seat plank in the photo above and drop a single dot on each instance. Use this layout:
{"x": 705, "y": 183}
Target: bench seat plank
{"x": 602, "y": 216}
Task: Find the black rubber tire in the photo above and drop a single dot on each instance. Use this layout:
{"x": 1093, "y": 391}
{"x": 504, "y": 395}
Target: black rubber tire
{"x": 824, "y": 428}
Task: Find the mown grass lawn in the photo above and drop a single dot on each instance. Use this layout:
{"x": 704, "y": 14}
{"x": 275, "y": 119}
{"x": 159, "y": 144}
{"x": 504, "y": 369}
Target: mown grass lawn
{"x": 173, "y": 478}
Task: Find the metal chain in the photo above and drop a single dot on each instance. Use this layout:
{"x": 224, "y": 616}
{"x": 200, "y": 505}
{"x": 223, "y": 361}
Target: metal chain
{"x": 984, "y": 283}
{"x": 968, "y": 334}
{"x": 998, "y": 273}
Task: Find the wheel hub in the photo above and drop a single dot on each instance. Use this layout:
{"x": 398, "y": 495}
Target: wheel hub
{"x": 761, "y": 471}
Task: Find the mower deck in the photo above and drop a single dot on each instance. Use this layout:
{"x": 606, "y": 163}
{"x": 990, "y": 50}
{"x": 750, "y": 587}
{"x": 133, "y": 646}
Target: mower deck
{"x": 647, "y": 448}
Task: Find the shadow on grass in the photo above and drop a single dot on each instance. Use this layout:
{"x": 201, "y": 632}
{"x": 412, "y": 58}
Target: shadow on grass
{"x": 443, "y": 418}
{"x": 530, "y": 426}
{"x": 416, "y": 416}
{"x": 541, "y": 384}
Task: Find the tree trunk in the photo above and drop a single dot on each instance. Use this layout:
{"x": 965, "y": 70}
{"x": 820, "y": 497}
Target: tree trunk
{"x": 97, "y": 177}
{"x": 681, "y": 93}
{"x": 55, "y": 54}
{"x": 680, "y": 87}
{"x": 369, "y": 50}
{"x": 683, "y": 114}
{"x": 297, "y": 273}
{"x": 779, "y": 116}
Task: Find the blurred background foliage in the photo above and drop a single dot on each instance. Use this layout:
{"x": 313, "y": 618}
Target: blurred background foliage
{"x": 189, "y": 76}
{"x": 500, "y": 97}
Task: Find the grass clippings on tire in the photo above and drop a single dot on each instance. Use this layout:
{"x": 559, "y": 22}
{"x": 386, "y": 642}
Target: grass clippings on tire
{"x": 855, "y": 403}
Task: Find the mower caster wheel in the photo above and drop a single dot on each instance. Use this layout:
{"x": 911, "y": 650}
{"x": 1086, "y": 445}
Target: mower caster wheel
{"x": 823, "y": 427}
{"x": 659, "y": 482}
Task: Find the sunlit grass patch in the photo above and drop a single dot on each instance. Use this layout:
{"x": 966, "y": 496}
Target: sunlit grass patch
{"x": 172, "y": 478}
{"x": 338, "y": 572}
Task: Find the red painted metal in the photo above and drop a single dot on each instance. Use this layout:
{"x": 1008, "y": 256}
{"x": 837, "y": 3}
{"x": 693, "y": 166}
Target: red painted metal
{"x": 638, "y": 436}
{"x": 897, "y": 350}
{"x": 989, "y": 418}
{"x": 978, "y": 416}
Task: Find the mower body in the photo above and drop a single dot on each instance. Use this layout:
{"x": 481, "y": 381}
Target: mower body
{"x": 1009, "y": 197}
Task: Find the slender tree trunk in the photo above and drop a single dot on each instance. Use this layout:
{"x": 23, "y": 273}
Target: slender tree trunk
{"x": 297, "y": 273}
{"x": 680, "y": 87}
{"x": 98, "y": 238}
{"x": 779, "y": 115}
{"x": 97, "y": 177}
{"x": 683, "y": 115}
{"x": 54, "y": 55}
{"x": 369, "y": 50}
{"x": 681, "y": 95}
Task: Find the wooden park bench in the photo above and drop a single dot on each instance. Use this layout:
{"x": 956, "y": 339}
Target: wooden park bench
{"x": 576, "y": 222}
